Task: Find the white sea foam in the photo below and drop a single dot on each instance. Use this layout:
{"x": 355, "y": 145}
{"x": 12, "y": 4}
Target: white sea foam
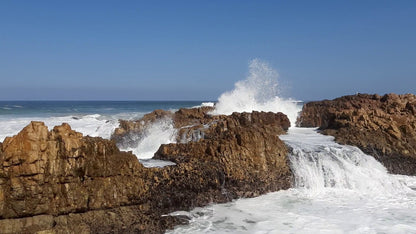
{"x": 258, "y": 92}
{"x": 156, "y": 163}
{"x": 160, "y": 132}
{"x": 209, "y": 104}
{"x": 92, "y": 125}
{"x": 338, "y": 189}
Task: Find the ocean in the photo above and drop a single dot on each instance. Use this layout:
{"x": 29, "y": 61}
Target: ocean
{"x": 94, "y": 118}
{"x": 336, "y": 189}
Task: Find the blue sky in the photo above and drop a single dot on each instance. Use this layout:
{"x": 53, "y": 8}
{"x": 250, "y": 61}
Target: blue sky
{"x": 196, "y": 50}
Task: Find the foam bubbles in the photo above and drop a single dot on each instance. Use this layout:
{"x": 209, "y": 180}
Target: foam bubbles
{"x": 158, "y": 133}
{"x": 258, "y": 92}
{"x": 338, "y": 189}
{"x": 92, "y": 125}
{"x": 205, "y": 104}
{"x": 209, "y": 104}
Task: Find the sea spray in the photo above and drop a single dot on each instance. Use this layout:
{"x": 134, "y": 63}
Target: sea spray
{"x": 92, "y": 125}
{"x": 258, "y": 92}
{"x": 156, "y": 134}
{"x": 319, "y": 163}
{"x": 338, "y": 189}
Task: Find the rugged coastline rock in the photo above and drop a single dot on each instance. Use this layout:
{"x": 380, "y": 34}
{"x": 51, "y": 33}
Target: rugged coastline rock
{"x": 382, "y": 126}
{"x": 60, "y": 181}
{"x": 130, "y": 132}
{"x": 244, "y": 148}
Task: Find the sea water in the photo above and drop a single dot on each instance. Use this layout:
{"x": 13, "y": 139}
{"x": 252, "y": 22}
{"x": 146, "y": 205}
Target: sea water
{"x": 94, "y": 118}
{"x": 336, "y": 188}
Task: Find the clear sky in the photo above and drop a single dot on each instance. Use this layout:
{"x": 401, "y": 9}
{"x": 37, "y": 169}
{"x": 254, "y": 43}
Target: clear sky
{"x": 196, "y": 50}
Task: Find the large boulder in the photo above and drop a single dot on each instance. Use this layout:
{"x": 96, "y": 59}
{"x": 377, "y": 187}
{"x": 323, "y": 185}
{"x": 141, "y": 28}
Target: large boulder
{"x": 60, "y": 171}
{"x": 382, "y": 126}
{"x": 130, "y": 132}
{"x": 62, "y": 181}
{"x": 244, "y": 148}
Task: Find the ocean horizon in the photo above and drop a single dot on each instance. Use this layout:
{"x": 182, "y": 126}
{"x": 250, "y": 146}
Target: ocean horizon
{"x": 336, "y": 187}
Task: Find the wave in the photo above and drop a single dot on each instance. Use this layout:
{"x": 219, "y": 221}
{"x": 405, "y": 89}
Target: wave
{"x": 258, "y": 92}
{"x": 338, "y": 189}
{"x": 205, "y": 104}
{"x": 158, "y": 133}
{"x": 94, "y": 125}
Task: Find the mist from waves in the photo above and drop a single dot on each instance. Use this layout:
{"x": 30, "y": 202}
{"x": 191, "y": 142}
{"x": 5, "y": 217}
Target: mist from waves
{"x": 258, "y": 92}
{"x": 337, "y": 189}
{"x": 154, "y": 135}
{"x": 94, "y": 125}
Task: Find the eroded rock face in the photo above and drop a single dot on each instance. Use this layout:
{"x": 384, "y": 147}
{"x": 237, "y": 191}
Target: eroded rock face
{"x": 60, "y": 171}
{"x": 129, "y": 133}
{"x": 246, "y": 150}
{"x": 59, "y": 180}
{"x": 382, "y": 126}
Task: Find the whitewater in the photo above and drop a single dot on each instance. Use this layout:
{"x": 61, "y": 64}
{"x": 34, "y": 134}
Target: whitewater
{"x": 336, "y": 188}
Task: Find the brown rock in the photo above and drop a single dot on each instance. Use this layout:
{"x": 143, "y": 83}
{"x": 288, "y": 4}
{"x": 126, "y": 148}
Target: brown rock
{"x": 384, "y": 127}
{"x": 61, "y": 181}
{"x": 129, "y": 133}
{"x": 61, "y": 171}
{"x": 244, "y": 147}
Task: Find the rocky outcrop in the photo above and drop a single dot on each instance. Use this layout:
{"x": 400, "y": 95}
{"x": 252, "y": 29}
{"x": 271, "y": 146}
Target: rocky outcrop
{"x": 46, "y": 175}
{"x": 61, "y": 171}
{"x": 129, "y": 132}
{"x": 382, "y": 126}
{"x": 245, "y": 149}
{"x": 61, "y": 181}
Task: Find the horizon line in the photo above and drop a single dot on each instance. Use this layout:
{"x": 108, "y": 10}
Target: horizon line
{"x": 106, "y": 100}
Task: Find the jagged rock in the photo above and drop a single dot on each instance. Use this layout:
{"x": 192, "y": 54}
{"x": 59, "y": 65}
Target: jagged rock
{"x": 61, "y": 171}
{"x": 244, "y": 147}
{"x": 60, "y": 181}
{"x": 382, "y": 126}
{"x": 194, "y": 116}
{"x": 129, "y": 133}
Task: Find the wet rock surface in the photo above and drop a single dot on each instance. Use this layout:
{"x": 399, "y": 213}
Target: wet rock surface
{"x": 61, "y": 181}
{"x": 129, "y": 133}
{"x": 244, "y": 150}
{"x": 382, "y": 126}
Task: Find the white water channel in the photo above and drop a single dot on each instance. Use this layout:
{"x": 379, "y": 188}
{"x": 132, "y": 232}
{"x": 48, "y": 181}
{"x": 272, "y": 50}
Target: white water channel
{"x": 337, "y": 189}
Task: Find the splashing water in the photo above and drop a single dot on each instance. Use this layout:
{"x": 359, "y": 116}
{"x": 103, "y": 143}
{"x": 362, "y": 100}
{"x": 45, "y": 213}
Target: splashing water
{"x": 338, "y": 189}
{"x": 92, "y": 125}
{"x": 320, "y": 164}
{"x": 259, "y": 92}
{"x": 158, "y": 133}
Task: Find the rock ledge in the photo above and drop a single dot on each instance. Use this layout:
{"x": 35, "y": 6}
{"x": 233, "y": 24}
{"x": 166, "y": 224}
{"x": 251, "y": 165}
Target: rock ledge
{"x": 382, "y": 126}
{"x": 61, "y": 181}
